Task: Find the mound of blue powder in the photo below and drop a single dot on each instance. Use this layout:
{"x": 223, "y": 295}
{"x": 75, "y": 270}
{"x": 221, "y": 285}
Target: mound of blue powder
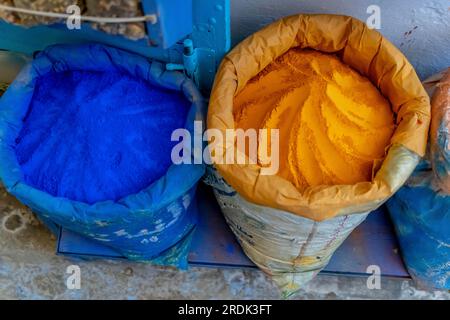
{"x": 94, "y": 136}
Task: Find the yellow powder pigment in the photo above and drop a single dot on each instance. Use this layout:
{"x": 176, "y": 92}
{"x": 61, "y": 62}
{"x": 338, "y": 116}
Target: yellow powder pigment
{"x": 333, "y": 122}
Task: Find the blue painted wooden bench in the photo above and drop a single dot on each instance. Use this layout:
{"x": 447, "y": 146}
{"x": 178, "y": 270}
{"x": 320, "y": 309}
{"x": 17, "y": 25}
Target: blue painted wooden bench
{"x": 214, "y": 245}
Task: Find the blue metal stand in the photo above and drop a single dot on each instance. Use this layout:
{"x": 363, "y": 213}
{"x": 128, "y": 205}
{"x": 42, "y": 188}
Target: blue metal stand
{"x": 214, "y": 245}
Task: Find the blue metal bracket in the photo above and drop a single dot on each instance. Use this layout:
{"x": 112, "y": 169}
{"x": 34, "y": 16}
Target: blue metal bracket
{"x": 205, "y": 22}
{"x": 174, "y": 21}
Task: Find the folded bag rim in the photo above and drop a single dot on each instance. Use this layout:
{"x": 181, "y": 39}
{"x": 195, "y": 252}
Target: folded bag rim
{"x": 365, "y": 50}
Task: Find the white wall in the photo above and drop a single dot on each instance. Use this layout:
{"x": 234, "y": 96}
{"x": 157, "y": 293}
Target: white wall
{"x": 427, "y": 46}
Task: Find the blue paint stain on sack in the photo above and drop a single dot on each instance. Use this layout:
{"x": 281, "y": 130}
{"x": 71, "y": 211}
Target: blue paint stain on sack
{"x": 421, "y": 215}
{"x": 123, "y": 108}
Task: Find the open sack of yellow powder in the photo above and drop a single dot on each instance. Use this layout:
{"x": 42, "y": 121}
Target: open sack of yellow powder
{"x": 353, "y": 120}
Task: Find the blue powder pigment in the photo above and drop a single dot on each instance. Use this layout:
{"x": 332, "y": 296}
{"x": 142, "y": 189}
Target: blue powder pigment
{"x": 94, "y": 136}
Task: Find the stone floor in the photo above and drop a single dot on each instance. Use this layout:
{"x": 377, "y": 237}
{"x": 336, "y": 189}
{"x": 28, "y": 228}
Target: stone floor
{"x": 29, "y": 269}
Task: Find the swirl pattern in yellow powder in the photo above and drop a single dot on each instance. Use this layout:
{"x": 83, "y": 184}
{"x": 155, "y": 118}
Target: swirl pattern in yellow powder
{"x": 333, "y": 122}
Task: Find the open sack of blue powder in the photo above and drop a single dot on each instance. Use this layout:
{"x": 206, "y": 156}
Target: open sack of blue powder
{"x": 94, "y": 136}
{"x": 85, "y": 141}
